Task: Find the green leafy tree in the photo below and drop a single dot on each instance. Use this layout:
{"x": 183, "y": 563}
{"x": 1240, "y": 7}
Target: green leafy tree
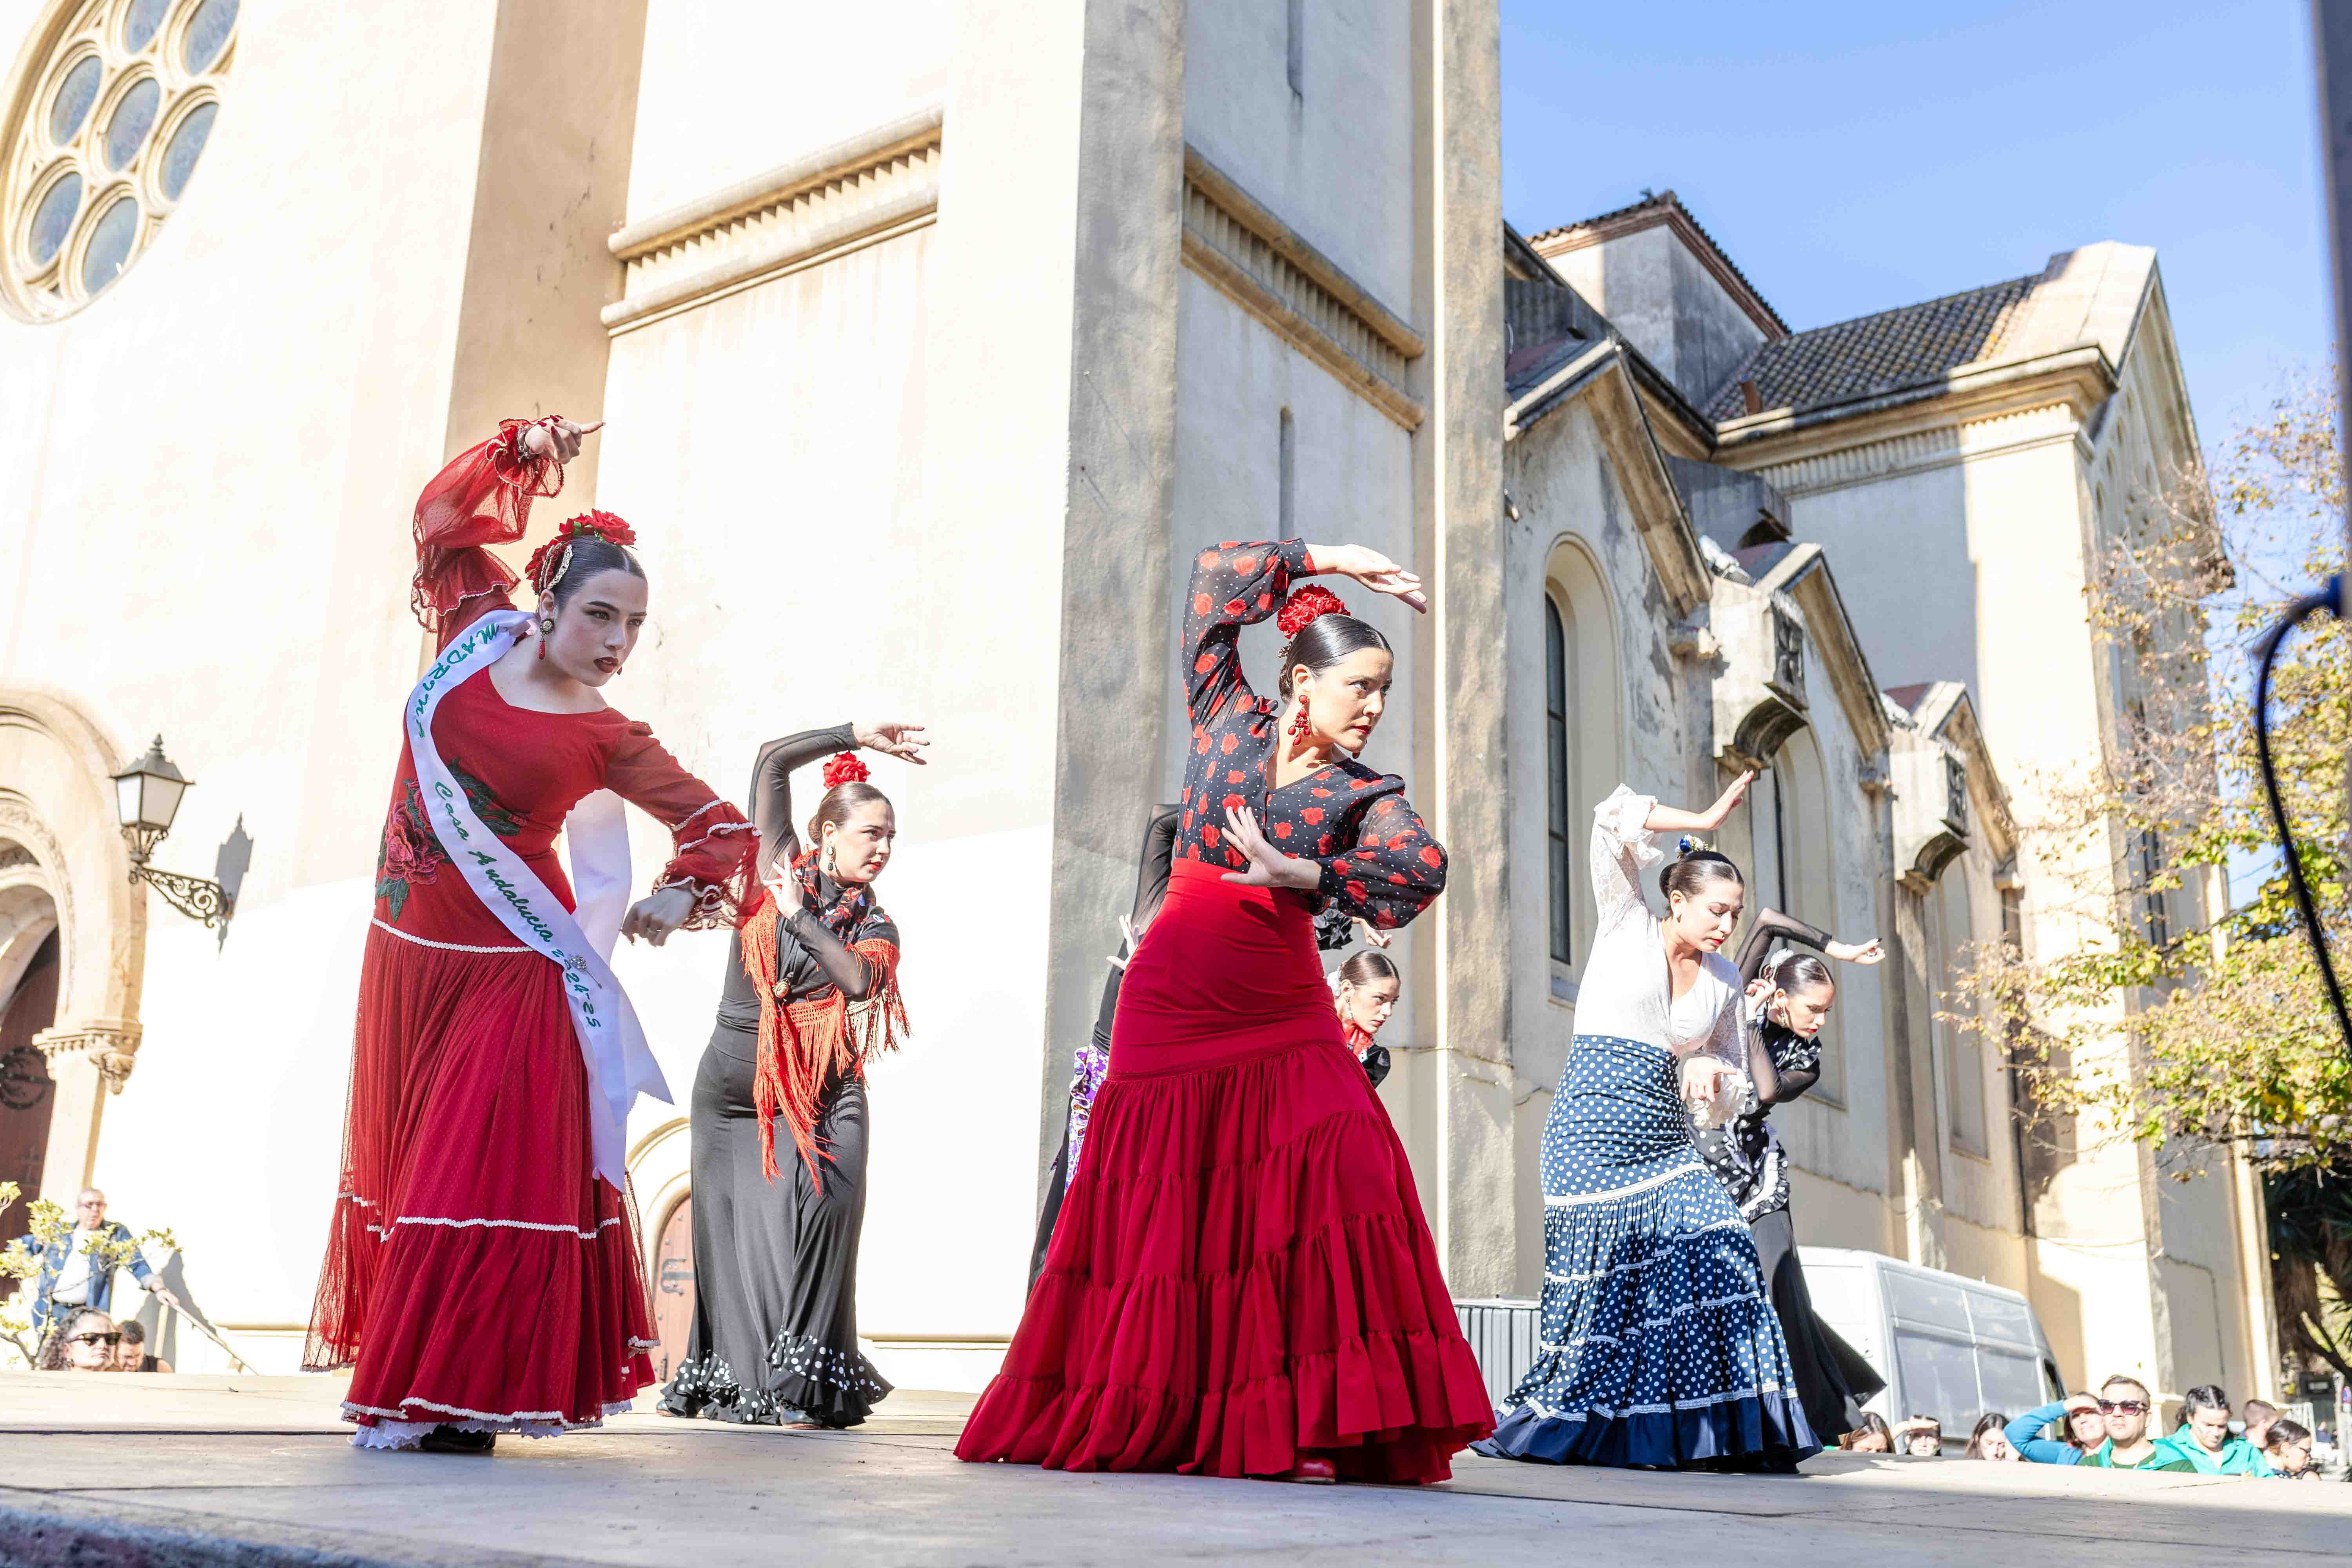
{"x": 2176, "y": 1017}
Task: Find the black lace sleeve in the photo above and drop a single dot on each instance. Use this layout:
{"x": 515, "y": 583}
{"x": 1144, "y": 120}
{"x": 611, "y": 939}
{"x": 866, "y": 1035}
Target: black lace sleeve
{"x": 1772, "y": 926}
{"x": 771, "y": 802}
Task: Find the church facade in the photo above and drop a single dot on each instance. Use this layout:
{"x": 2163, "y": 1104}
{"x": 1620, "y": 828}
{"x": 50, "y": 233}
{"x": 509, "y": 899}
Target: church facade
{"x": 924, "y": 379}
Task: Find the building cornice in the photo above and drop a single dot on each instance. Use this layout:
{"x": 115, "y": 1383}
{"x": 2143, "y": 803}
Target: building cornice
{"x": 2080, "y": 378}
{"x": 873, "y": 186}
{"x": 1237, "y": 244}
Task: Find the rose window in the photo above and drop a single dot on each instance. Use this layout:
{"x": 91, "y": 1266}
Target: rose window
{"x": 105, "y": 125}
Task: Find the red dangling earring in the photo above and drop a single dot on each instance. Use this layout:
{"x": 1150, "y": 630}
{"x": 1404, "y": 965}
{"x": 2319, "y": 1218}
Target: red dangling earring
{"x": 1299, "y": 730}
{"x": 546, "y": 630}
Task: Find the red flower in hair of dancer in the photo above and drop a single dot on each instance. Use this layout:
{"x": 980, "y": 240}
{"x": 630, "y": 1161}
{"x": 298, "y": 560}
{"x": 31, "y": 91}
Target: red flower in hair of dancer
{"x": 602, "y": 525}
{"x": 1305, "y": 605}
{"x": 843, "y": 767}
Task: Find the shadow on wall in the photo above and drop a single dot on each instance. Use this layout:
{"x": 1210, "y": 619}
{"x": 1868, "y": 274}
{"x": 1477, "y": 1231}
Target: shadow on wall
{"x": 2060, "y": 1308}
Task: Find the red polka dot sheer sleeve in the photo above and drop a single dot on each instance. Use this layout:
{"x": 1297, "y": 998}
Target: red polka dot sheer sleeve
{"x": 1233, "y": 585}
{"x": 1395, "y": 869}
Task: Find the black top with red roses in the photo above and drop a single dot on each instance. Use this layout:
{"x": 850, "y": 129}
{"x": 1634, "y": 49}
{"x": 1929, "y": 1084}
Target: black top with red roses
{"x": 1379, "y": 860}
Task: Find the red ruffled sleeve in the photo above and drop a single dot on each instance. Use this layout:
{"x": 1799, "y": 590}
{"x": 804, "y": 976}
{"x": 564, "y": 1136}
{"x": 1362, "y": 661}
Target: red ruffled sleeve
{"x": 1393, "y": 871}
{"x": 717, "y": 851}
{"x": 483, "y": 497}
{"x": 1233, "y": 585}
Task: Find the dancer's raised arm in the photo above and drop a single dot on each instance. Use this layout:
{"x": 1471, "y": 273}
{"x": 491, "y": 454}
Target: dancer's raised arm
{"x": 1241, "y": 582}
{"x": 482, "y": 497}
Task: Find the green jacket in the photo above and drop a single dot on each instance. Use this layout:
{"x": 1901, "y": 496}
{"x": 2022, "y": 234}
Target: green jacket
{"x": 2237, "y": 1457}
{"x": 2165, "y": 1457}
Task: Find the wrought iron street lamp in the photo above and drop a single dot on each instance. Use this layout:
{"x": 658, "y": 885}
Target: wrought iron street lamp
{"x": 147, "y": 797}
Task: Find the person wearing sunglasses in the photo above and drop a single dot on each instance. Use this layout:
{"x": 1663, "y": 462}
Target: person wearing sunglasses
{"x": 2130, "y": 1411}
{"x": 84, "y": 1341}
{"x": 2083, "y": 1433}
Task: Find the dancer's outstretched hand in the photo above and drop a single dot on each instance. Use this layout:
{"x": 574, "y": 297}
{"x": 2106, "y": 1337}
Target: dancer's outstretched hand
{"x": 1372, "y": 569}
{"x": 652, "y": 919}
{"x": 557, "y": 438}
{"x": 784, "y": 887}
{"x": 1268, "y": 866}
{"x": 1870, "y": 952}
{"x": 904, "y": 742}
{"x": 1373, "y": 936}
{"x": 1727, "y": 803}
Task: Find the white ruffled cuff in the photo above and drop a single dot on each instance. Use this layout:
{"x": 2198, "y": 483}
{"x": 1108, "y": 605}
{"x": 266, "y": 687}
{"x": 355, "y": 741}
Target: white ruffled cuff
{"x": 1620, "y": 817}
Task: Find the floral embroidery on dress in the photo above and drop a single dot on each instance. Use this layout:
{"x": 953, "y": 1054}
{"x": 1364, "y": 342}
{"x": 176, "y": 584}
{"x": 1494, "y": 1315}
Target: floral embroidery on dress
{"x": 411, "y": 850}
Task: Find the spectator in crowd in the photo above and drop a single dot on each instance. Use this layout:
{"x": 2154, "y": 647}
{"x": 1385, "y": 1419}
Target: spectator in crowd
{"x": 1873, "y": 1437}
{"x": 2258, "y": 1415}
{"x": 2204, "y": 1437}
{"x": 2086, "y": 1429}
{"x": 83, "y": 1340}
{"x": 2130, "y": 1410}
{"x": 132, "y": 1355}
{"x": 69, "y": 1277}
{"x": 1921, "y": 1437}
{"x": 1991, "y": 1439}
{"x": 2286, "y": 1448}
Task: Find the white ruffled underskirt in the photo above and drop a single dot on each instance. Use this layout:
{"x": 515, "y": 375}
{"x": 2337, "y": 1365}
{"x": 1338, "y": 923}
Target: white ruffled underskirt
{"x": 409, "y": 1433}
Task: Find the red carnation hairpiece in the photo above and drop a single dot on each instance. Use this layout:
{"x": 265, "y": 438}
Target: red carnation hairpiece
{"x": 843, "y": 768}
{"x": 1305, "y": 605}
{"x": 553, "y": 556}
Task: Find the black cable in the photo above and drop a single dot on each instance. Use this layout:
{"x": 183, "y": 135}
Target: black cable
{"x": 2331, "y": 599}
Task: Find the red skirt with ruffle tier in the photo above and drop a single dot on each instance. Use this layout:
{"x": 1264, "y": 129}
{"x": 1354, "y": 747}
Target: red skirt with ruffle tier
{"x": 478, "y": 1270}
{"x": 1241, "y": 1275}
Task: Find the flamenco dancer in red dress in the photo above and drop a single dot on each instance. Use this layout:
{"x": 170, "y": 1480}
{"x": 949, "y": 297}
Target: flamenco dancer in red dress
{"x": 1241, "y": 1282}
{"x": 495, "y": 1056}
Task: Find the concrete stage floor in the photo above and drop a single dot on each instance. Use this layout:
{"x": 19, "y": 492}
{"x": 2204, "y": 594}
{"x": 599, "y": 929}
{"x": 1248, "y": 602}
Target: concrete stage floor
{"x": 250, "y": 1471}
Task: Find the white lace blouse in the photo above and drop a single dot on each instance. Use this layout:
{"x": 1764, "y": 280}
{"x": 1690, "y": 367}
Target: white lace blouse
{"x": 1626, "y": 989}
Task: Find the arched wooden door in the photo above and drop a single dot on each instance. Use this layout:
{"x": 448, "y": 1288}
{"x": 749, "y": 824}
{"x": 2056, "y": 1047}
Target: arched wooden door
{"x": 674, "y": 1288}
{"x": 27, "y": 1093}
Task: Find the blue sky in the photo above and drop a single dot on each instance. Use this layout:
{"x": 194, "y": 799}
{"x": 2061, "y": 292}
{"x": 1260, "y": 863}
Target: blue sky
{"x": 1854, "y": 157}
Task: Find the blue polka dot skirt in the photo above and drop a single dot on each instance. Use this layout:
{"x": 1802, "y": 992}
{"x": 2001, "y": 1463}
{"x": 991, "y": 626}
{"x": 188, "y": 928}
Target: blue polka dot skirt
{"x": 1659, "y": 1345}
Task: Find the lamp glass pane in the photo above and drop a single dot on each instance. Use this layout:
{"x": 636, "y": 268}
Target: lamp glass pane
{"x": 126, "y": 799}
{"x": 160, "y": 802}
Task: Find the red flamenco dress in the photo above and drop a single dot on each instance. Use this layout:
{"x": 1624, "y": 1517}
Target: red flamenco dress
{"x": 1241, "y": 1277}
{"x": 478, "y": 1272}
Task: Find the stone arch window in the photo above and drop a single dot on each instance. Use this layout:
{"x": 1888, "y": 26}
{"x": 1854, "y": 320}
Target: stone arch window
{"x": 1803, "y": 873}
{"x": 1581, "y": 753}
{"x": 113, "y": 106}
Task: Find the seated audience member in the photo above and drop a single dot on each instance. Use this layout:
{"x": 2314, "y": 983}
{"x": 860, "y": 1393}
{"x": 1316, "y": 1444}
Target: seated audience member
{"x": 2258, "y": 1415}
{"x": 1921, "y": 1437}
{"x": 1873, "y": 1437}
{"x": 2130, "y": 1410}
{"x": 2084, "y": 1430}
{"x": 2204, "y": 1437}
{"x": 1991, "y": 1440}
{"x": 132, "y": 1354}
{"x": 2286, "y": 1448}
{"x": 84, "y": 1341}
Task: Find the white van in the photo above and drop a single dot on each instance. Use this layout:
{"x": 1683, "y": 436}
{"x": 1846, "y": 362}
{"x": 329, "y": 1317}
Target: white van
{"x": 1948, "y": 1347}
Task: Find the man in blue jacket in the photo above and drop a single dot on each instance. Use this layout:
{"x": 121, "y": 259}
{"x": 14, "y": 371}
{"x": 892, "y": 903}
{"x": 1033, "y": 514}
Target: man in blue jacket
{"x": 70, "y": 1276}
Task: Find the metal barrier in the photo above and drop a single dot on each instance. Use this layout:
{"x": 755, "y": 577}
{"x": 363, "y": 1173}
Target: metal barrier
{"x": 1502, "y": 1334}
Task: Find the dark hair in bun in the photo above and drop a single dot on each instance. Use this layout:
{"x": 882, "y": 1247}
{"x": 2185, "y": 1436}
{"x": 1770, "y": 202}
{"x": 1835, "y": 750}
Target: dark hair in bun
{"x": 1801, "y": 971}
{"x": 1696, "y": 871}
{"x": 1366, "y": 965}
{"x": 1321, "y": 633}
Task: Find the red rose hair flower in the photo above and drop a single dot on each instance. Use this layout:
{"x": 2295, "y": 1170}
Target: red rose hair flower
{"x": 844, "y": 767}
{"x": 547, "y": 561}
{"x": 1304, "y": 605}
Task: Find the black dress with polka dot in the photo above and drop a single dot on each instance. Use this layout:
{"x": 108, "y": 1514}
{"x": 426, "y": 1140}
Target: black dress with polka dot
{"x": 1379, "y": 860}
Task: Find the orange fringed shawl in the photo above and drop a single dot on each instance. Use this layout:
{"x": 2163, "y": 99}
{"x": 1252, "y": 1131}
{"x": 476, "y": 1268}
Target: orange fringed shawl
{"x": 805, "y": 1045}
